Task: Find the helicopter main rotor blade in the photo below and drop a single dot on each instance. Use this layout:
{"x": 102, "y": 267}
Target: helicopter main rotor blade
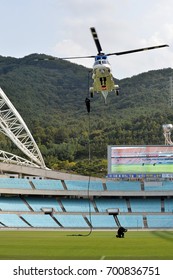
{"x": 96, "y": 40}
{"x": 138, "y": 50}
{"x": 76, "y": 57}
{"x": 57, "y": 58}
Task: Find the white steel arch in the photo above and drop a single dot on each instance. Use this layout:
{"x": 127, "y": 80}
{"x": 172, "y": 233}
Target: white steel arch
{"x": 14, "y": 159}
{"x": 13, "y": 126}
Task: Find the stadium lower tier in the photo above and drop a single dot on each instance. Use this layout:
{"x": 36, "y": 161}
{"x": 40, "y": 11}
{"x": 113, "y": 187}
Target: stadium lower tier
{"x": 84, "y": 221}
{"x": 29, "y": 211}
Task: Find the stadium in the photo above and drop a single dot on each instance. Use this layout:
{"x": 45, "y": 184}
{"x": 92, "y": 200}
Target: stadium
{"x": 45, "y": 214}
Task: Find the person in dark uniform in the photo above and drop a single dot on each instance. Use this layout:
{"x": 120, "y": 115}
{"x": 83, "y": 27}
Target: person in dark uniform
{"x": 87, "y": 102}
{"x": 120, "y": 232}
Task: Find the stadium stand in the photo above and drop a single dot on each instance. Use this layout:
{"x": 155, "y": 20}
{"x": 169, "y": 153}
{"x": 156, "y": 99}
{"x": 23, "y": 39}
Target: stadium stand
{"x": 12, "y": 220}
{"x": 14, "y": 183}
{"x": 168, "y": 202}
{"x": 29, "y": 198}
{"x": 105, "y": 203}
{"x": 123, "y": 186}
{"x": 159, "y": 186}
{"x": 131, "y": 221}
{"x": 37, "y": 203}
{"x": 36, "y": 220}
{"x": 160, "y": 221}
{"x": 148, "y": 204}
{"x": 71, "y": 221}
{"x": 168, "y": 185}
{"x": 102, "y": 221}
{"x": 77, "y": 205}
{"x": 84, "y": 185}
{"x": 47, "y": 184}
{"x": 12, "y": 204}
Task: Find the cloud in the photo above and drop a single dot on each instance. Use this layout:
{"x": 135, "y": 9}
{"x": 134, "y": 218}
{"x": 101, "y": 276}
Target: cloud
{"x": 61, "y": 28}
{"x": 68, "y": 48}
{"x": 120, "y": 26}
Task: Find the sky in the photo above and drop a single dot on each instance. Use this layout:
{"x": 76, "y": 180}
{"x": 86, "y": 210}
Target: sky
{"x": 62, "y": 28}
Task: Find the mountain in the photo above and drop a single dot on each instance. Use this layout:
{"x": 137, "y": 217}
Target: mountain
{"x": 50, "y": 96}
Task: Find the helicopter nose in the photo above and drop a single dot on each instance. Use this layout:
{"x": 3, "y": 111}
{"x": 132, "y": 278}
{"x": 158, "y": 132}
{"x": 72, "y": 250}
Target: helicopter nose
{"x": 102, "y": 71}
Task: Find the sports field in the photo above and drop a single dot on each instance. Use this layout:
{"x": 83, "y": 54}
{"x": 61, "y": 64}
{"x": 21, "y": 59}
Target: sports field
{"x": 65, "y": 245}
{"x": 143, "y": 169}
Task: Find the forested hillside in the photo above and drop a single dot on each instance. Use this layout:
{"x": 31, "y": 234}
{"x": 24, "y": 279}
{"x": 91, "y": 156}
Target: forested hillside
{"x": 50, "y": 96}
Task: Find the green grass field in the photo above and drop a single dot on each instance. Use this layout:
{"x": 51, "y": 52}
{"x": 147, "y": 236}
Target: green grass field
{"x": 55, "y": 245}
{"x": 139, "y": 168}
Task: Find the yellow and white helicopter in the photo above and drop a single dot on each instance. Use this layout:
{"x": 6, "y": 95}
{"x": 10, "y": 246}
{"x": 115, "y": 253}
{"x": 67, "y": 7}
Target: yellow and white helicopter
{"x": 103, "y": 81}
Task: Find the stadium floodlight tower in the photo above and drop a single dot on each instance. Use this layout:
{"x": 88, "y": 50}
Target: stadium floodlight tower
{"x": 167, "y": 133}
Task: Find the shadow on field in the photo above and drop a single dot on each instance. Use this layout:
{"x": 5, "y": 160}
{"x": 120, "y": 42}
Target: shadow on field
{"x": 167, "y": 235}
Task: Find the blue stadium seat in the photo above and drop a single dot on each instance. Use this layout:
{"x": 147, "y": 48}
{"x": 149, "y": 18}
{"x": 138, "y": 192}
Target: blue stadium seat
{"x": 77, "y": 205}
{"x": 160, "y": 221}
{"x": 84, "y": 185}
{"x": 168, "y": 204}
{"x": 37, "y": 220}
{"x": 71, "y": 221}
{"x": 148, "y": 204}
{"x": 12, "y": 220}
{"x": 104, "y": 203}
{"x": 163, "y": 186}
{"x": 48, "y": 184}
{"x": 123, "y": 186}
{"x": 168, "y": 185}
{"x": 13, "y": 204}
{"x": 14, "y": 183}
{"x": 102, "y": 221}
{"x": 38, "y": 202}
{"x": 131, "y": 221}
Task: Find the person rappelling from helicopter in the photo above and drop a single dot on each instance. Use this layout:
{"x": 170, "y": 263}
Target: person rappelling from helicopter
{"x": 103, "y": 81}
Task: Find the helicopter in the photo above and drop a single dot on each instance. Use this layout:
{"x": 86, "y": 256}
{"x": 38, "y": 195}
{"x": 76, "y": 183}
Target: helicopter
{"x": 103, "y": 81}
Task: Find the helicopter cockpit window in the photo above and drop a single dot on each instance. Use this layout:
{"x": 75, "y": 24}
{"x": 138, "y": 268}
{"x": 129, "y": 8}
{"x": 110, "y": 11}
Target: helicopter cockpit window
{"x": 97, "y": 57}
{"x": 101, "y": 57}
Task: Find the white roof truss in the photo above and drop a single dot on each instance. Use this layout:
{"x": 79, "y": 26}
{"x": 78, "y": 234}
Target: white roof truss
{"x": 13, "y": 126}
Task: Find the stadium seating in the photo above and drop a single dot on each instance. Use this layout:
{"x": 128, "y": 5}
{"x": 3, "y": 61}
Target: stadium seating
{"x": 131, "y": 221}
{"x": 148, "y": 204}
{"x": 160, "y": 221}
{"x": 168, "y": 185}
{"x": 47, "y": 184}
{"x": 102, "y": 221}
{"x": 84, "y": 185}
{"x": 72, "y": 211}
{"x": 38, "y": 202}
{"x": 105, "y": 203}
{"x": 168, "y": 202}
{"x": 12, "y": 220}
{"x": 36, "y": 220}
{"x": 77, "y": 205}
{"x": 12, "y": 204}
{"x": 163, "y": 186}
{"x": 14, "y": 183}
{"x": 71, "y": 221}
{"x": 123, "y": 186}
